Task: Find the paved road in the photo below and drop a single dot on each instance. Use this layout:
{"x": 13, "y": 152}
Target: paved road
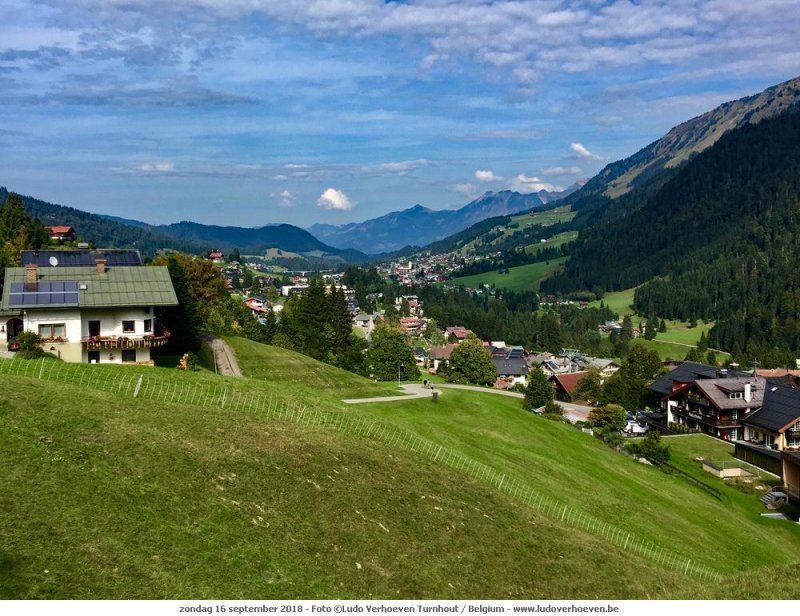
{"x": 573, "y": 412}
{"x": 414, "y": 390}
{"x": 224, "y": 357}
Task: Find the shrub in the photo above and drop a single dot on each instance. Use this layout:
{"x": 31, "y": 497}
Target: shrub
{"x": 653, "y": 449}
{"x": 30, "y": 345}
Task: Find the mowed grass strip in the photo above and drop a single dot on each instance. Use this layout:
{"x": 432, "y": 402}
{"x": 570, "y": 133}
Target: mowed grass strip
{"x": 106, "y": 497}
{"x": 520, "y": 278}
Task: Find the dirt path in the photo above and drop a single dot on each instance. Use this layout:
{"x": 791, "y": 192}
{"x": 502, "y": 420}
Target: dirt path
{"x": 224, "y": 357}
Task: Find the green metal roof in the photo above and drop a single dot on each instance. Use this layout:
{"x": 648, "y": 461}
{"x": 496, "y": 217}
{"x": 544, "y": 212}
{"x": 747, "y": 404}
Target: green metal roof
{"x": 118, "y": 286}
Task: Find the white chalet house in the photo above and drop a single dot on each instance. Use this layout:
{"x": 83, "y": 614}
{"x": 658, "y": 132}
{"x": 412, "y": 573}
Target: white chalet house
{"x": 89, "y": 314}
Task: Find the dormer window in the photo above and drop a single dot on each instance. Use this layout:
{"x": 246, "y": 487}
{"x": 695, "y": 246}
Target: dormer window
{"x": 736, "y": 395}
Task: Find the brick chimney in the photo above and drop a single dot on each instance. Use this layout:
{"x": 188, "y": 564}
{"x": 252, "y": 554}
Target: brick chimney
{"x": 101, "y": 266}
{"x": 31, "y": 277}
{"x": 31, "y": 274}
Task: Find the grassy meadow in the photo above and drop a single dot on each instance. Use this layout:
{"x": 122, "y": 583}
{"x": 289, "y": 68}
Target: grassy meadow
{"x": 673, "y": 344}
{"x": 520, "y": 278}
{"x": 168, "y": 495}
{"x": 520, "y": 221}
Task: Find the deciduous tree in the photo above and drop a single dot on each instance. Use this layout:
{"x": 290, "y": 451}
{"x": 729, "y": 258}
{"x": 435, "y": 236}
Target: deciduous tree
{"x": 471, "y": 363}
{"x": 390, "y": 356}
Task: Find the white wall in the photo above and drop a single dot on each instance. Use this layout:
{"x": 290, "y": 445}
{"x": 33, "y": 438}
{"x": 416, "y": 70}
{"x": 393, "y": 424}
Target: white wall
{"x": 111, "y": 320}
{"x": 71, "y": 317}
{"x": 77, "y": 328}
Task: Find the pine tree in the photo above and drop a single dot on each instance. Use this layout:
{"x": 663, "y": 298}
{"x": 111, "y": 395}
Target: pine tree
{"x": 182, "y": 320}
{"x": 341, "y": 326}
{"x": 538, "y": 391}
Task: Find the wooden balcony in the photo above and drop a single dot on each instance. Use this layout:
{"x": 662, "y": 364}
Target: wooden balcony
{"x": 105, "y": 343}
{"x": 708, "y": 420}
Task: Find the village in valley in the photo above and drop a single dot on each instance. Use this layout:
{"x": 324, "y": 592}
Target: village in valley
{"x": 116, "y": 321}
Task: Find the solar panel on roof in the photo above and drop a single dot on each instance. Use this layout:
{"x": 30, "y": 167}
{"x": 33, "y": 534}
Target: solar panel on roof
{"x": 81, "y": 258}
{"x": 45, "y": 293}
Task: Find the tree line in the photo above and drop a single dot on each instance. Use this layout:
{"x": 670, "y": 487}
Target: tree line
{"x": 718, "y": 240}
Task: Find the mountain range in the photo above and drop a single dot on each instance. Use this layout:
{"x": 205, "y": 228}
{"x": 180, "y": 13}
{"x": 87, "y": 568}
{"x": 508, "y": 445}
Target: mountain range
{"x": 690, "y": 138}
{"x": 191, "y": 237}
{"x": 420, "y": 226}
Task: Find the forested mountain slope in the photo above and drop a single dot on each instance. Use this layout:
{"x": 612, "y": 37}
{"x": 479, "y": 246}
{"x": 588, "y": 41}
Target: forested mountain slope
{"x": 719, "y": 239}
{"x": 104, "y": 232}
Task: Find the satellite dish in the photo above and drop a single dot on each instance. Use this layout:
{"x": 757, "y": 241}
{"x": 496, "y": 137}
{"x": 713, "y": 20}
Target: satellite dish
{"x": 53, "y": 261}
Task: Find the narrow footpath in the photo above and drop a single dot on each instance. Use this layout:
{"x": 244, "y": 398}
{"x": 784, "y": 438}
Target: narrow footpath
{"x": 224, "y": 358}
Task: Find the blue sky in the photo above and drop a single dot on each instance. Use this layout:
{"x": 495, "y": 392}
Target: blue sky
{"x": 249, "y": 112}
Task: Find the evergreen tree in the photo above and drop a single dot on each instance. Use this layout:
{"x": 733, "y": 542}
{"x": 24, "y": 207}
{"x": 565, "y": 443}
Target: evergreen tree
{"x": 13, "y": 220}
{"x": 662, "y": 326}
{"x": 341, "y": 326}
{"x": 182, "y": 320}
{"x": 538, "y": 391}
{"x": 311, "y": 311}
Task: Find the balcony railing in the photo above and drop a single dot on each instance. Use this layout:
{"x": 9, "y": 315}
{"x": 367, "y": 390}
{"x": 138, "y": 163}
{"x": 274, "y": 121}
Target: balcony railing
{"x": 103, "y": 343}
{"x": 709, "y": 420}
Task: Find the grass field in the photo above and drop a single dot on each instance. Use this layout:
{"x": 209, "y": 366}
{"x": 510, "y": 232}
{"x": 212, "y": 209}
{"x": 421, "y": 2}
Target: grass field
{"x": 274, "y": 365}
{"x": 520, "y": 278}
{"x": 554, "y": 242}
{"x": 107, "y": 496}
{"x": 620, "y": 302}
{"x": 118, "y": 499}
{"x": 570, "y": 465}
{"x": 673, "y": 344}
{"x": 550, "y": 217}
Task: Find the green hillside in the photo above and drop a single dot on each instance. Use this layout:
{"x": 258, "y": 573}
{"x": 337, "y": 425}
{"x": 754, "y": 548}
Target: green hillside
{"x": 715, "y": 241}
{"x": 520, "y": 278}
{"x": 153, "y": 483}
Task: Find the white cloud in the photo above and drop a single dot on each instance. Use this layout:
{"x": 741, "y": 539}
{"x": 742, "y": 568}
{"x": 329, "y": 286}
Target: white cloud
{"x": 487, "y": 176}
{"x": 286, "y": 198}
{"x": 159, "y": 167}
{"x": 467, "y": 189}
{"x": 529, "y": 184}
{"x": 579, "y": 150}
{"x": 400, "y": 167}
{"x": 563, "y": 171}
{"x": 333, "y": 199}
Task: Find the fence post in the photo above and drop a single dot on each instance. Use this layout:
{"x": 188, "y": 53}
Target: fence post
{"x": 138, "y": 385}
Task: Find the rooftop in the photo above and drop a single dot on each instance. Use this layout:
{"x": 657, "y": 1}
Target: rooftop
{"x": 80, "y": 258}
{"x": 85, "y": 287}
{"x": 780, "y": 409}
